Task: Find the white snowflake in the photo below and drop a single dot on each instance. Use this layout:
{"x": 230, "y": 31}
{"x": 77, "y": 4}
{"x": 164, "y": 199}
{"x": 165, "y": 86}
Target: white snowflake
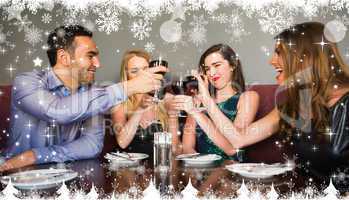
{"x": 198, "y": 36}
{"x": 193, "y": 4}
{"x": 169, "y": 5}
{"x": 337, "y": 5}
{"x": 145, "y": 10}
{"x": 310, "y": 9}
{"x": 46, "y": 18}
{"x": 33, "y": 35}
{"x": 48, "y": 5}
{"x": 88, "y": 24}
{"x": 236, "y": 27}
{"x": 4, "y": 42}
{"x": 197, "y": 33}
{"x": 198, "y": 22}
{"x": 273, "y": 19}
{"x": 210, "y": 6}
{"x": 149, "y": 47}
{"x": 140, "y": 29}
{"x": 72, "y": 18}
{"x": 70, "y": 21}
{"x": 33, "y": 6}
{"x": 108, "y": 21}
{"x": 344, "y": 19}
{"x": 14, "y": 11}
{"x": 221, "y": 18}
{"x": 22, "y": 23}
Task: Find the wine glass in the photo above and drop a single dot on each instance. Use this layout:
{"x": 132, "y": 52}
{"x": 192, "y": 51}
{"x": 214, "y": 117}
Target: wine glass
{"x": 191, "y": 88}
{"x": 178, "y": 89}
{"x": 155, "y": 63}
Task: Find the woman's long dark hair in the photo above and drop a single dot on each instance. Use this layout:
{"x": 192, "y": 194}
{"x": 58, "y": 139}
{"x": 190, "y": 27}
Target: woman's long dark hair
{"x": 238, "y": 81}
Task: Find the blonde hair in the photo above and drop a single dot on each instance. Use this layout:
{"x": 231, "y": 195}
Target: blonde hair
{"x": 131, "y": 103}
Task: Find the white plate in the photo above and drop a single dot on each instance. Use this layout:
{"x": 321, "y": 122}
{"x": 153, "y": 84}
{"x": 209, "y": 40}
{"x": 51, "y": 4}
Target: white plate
{"x": 136, "y": 157}
{"x": 202, "y": 159}
{"x": 39, "y": 179}
{"x": 259, "y": 170}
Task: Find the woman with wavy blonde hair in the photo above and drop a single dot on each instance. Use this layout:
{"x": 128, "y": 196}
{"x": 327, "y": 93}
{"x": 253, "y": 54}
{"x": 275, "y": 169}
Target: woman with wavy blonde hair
{"x": 135, "y": 121}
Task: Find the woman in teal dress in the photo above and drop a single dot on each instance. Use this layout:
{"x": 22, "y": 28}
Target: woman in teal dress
{"x": 204, "y": 144}
{"x": 222, "y": 71}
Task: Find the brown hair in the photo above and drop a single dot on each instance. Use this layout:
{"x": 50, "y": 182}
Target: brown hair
{"x": 238, "y": 81}
{"x": 311, "y": 72}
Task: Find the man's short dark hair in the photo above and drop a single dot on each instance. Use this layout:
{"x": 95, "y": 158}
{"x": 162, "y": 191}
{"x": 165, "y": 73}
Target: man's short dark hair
{"x": 63, "y": 38}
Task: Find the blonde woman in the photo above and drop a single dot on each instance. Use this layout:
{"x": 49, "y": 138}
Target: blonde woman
{"x": 135, "y": 121}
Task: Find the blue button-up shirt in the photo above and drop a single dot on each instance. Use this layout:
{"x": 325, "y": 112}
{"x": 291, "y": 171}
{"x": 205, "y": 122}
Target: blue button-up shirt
{"x": 39, "y": 99}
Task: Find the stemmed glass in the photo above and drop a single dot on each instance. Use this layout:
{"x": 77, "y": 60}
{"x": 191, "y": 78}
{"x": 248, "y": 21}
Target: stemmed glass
{"x": 191, "y": 88}
{"x": 178, "y": 89}
{"x": 155, "y": 63}
{"x": 187, "y": 85}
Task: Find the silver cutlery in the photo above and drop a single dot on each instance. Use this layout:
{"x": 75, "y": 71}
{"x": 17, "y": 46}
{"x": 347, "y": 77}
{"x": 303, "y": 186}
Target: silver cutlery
{"x": 121, "y": 155}
{"x": 185, "y": 156}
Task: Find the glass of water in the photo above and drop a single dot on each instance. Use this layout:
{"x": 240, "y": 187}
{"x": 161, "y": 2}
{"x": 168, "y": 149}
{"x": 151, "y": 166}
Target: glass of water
{"x": 162, "y": 151}
{"x": 2, "y": 160}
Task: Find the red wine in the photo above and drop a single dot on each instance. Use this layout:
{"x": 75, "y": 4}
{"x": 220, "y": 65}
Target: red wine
{"x": 155, "y": 63}
{"x": 191, "y": 85}
{"x": 177, "y": 88}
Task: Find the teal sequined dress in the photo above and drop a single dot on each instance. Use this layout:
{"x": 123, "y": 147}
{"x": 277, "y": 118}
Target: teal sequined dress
{"x": 205, "y": 145}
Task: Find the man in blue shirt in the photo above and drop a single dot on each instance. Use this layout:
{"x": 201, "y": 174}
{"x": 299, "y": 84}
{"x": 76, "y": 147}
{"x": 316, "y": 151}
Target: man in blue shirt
{"x": 57, "y": 114}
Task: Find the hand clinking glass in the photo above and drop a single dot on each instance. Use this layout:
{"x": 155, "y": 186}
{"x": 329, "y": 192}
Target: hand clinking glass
{"x": 156, "y": 63}
{"x": 188, "y": 86}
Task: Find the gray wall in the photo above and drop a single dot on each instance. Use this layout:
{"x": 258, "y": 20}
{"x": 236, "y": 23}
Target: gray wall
{"x": 182, "y": 55}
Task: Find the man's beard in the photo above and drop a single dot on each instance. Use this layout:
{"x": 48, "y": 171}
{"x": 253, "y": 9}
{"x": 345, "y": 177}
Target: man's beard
{"x": 85, "y": 77}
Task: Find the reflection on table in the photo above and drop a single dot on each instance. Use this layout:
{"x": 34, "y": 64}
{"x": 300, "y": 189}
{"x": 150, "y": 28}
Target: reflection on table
{"x": 209, "y": 180}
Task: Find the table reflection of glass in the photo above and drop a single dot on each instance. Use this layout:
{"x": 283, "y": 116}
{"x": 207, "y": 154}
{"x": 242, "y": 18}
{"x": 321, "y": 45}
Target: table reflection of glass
{"x": 2, "y": 160}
